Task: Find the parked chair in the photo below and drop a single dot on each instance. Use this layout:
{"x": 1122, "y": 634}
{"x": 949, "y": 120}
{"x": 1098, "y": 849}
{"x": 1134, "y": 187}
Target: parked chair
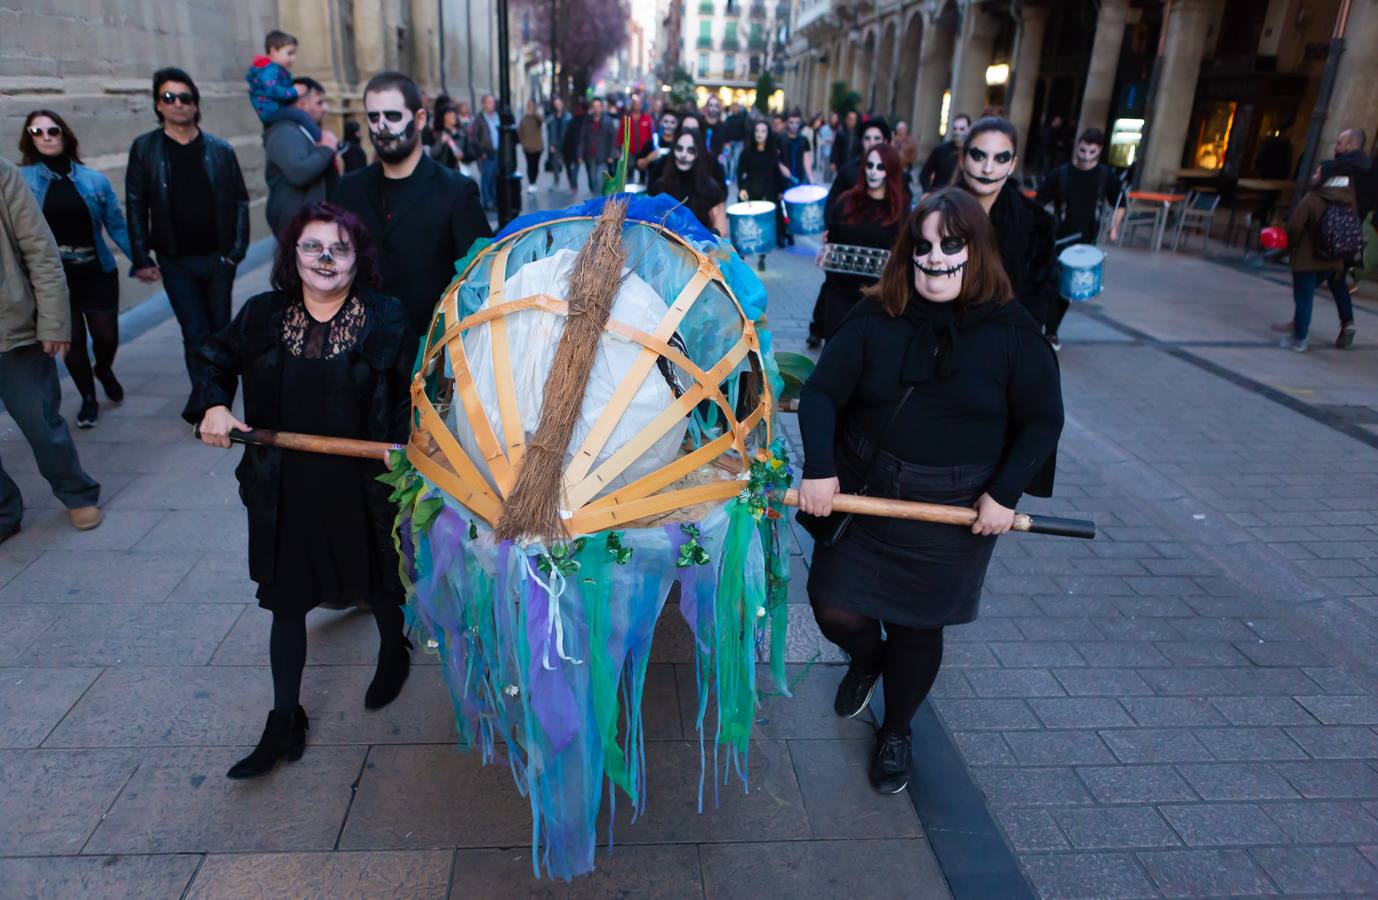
{"x": 1138, "y": 214}
{"x": 1198, "y": 213}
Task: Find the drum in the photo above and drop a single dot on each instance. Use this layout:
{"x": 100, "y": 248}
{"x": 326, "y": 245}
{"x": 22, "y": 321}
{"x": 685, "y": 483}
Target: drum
{"x": 752, "y": 226}
{"x": 1079, "y": 277}
{"x": 804, "y": 205}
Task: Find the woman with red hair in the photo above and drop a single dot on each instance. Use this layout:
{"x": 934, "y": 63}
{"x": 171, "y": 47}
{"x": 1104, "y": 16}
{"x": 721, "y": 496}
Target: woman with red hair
{"x": 869, "y": 214}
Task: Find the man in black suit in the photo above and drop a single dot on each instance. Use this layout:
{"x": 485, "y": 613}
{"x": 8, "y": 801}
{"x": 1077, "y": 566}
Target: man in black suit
{"x": 422, "y": 216}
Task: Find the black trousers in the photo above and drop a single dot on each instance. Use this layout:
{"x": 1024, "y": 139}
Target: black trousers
{"x": 199, "y": 289}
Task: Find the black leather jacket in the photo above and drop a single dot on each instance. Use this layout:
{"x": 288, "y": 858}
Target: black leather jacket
{"x": 146, "y": 198}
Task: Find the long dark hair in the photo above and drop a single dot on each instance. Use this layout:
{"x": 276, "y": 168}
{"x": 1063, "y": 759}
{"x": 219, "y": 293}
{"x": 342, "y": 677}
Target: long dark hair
{"x": 28, "y": 150}
{"x": 698, "y": 181}
{"x": 856, "y": 200}
{"x": 984, "y": 279}
{"x": 285, "y": 276}
{"x": 994, "y": 123}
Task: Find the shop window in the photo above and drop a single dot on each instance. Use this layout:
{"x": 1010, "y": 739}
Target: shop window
{"x": 1213, "y": 135}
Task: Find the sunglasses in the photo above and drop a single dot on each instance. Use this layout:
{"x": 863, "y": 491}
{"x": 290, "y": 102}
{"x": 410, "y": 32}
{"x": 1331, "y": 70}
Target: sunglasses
{"x": 184, "y": 98}
{"x": 51, "y": 131}
{"x": 392, "y": 115}
{"x": 950, "y": 246}
{"x": 313, "y": 249}
{"x": 979, "y": 155}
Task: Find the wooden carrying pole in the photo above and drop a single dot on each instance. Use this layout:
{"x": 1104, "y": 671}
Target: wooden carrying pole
{"x": 845, "y": 503}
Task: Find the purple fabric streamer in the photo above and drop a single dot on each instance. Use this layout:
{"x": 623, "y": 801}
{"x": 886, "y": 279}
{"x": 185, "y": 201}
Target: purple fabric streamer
{"x": 548, "y": 690}
{"x": 688, "y": 582}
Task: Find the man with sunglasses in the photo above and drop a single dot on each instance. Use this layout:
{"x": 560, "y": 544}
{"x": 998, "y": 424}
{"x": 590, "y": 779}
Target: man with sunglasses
{"x": 422, "y": 216}
{"x": 188, "y": 207}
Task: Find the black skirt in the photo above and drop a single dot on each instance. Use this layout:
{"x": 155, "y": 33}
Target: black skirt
{"x": 92, "y": 289}
{"x": 919, "y": 574}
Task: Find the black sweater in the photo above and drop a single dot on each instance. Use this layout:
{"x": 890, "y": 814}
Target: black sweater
{"x": 986, "y": 390}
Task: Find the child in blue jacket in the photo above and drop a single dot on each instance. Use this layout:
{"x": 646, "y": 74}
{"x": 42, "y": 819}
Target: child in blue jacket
{"x": 270, "y": 84}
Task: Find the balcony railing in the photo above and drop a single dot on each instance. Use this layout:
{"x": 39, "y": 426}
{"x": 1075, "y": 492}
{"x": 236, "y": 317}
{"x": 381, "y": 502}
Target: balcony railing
{"x": 731, "y": 43}
{"x": 756, "y": 42}
{"x": 705, "y": 7}
{"x": 705, "y": 43}
{"x": 758, "y": 11}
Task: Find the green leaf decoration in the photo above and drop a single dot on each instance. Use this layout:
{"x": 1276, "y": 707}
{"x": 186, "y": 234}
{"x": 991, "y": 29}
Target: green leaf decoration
{"x": 473, "y": 531}
{"x": 795, "y": 368}
{"x": 616, "y": 552}
{"x": 616, "y": 183}
{"x": 426, "y": 511}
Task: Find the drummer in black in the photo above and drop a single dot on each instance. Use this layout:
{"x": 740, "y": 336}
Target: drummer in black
{"x": 938, "y": 389}
{"x": 869, "y": 214}
{"x": 1078, "y": 190}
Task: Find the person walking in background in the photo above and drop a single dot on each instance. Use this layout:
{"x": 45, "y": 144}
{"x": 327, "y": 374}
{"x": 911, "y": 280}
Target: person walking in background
{"x": 943, "y": 164}
{"x": 467, "y": 165}
{"x": 597, "y": 151}
{"x": 352, "y": 156}
{"x": 760, "y": 174}
{"x": 447, "y": 138}
{"x": 187, "y": 204}
{"x": 846, "y": 143}
{"x": 299, "y": 170}
{"x": 422, "y": 217}
{"x": 321, "y": 353}
{"x": 569, "y": 145}
{"x": 1311, "y": 232}
{"x": 796, "y": 150}
{"x": 35, "y": 326}
{"x": 824, "y": 129}
{"x": 484, "y": 136}
{"x": 272, "y": 91}
{"x": 530, "y": 134}
{"x": 555, "y": 125}
{"x": 1078, "y": 190}
{"x": 907, "y": 148}
{"x": 650, "y": 159}
{"x": 78, "y": 202}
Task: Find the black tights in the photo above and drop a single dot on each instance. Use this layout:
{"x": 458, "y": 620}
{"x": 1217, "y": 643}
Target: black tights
{"x": 287, "y": 650}
{"x": 908, "y": 659}
{"x": 105, "y": 338}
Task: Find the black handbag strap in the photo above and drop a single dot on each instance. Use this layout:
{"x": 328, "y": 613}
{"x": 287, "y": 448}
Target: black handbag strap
{"x": 884, "y": 435}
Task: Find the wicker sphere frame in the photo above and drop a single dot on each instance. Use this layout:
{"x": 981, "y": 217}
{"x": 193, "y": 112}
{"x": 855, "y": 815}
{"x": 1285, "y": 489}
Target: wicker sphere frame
{"x": 437, "y": 453}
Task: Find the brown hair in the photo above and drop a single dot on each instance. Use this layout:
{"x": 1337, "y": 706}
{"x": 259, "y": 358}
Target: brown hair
{"x": 28, "y": 151}
{"x": 983, "y": 281}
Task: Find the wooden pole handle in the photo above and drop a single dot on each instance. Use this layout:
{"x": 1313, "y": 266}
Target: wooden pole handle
{"x": 847, "y": 503}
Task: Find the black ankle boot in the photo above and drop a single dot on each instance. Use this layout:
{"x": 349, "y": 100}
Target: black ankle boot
{"x": 284, "y": 737}
{"x": 113, "y": 389}
{"x": 394, "y": 665}
{"x": 854, "y": 692}
{"x": 893, "y": 759}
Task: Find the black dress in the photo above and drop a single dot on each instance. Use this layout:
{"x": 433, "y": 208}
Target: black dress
{"x": 325, "y": 552}
{"x": 984, "y": 417}
{"x": 840, "y": 292}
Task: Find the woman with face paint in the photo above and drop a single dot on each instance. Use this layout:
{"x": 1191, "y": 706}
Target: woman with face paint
{"x": 760, "y": 177}
{"x": 937, "y": 388}
{"x": 1023, "y": 229}
{"x": 689, "y": 178}
{"x": 321, "y": 353}
{"x": 868, "y": 214}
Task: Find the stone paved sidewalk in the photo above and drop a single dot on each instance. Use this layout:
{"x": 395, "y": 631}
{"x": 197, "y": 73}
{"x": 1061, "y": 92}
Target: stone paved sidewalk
{"x": 133, "y": 672}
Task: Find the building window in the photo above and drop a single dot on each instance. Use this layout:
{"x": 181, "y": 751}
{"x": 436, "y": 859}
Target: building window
{"x": 729, "y": 38}
{"x": 757, "y": 40}
{"x": 703, "y": 65}
{"x": 705, "y": 34}
{"x": 729, "y": 65}
{"x": 755, "y": 65}
{"x": 705, "y": 7}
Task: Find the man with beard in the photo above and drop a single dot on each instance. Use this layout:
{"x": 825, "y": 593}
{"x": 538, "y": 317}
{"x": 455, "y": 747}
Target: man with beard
{"x": 422, "y": 216}
{"x": 940, "y": 169}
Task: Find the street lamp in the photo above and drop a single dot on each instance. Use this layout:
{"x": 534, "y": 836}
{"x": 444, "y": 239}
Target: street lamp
{"x": 509, "y": 182}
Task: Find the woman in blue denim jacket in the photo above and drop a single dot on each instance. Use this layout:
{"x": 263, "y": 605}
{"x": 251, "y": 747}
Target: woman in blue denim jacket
{"x": 78, "y": 202}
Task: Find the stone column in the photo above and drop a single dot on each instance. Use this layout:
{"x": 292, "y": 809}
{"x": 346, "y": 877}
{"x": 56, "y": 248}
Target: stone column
{"x": 935, "y": 68}
{"x": 1354, "y": 103}
{"x": 1033, "y": 24}
{"x": 975, "y": 48}
{"x": 370, "y": 53}
{"x": 907, "y": 68}
{"x": 425, "y": 41}
{"x": 1105, "y": 62}
{"x": 1187, "y": 24}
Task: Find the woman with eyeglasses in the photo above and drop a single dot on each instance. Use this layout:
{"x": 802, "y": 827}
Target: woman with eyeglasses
{"x": 937, "y": 389}
{"x": 689, "y": 177}
{"x": 1024, "y": 230}
{"x": 78, "y": 202}
{"x": 321, "y": 353}
{"x": 868, "y": 214}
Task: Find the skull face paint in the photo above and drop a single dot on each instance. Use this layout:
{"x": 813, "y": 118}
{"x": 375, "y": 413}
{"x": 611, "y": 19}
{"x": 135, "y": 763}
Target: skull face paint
{"x": 987, "y": 162}
{"x": 685, "y": 152}
{"x": 1087, "y": 155}
{"x": 939, "y": 262}
{"x": 391, "y": 126}
{"x": 875, "y": 172}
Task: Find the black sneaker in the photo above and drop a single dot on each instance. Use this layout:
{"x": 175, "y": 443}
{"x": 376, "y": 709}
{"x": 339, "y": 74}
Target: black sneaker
{"x": 1346, "y": 338}
{"x": 854, "y": 693}
{"x": 90, "y": 410}
{"x": 113, "y": 389}
{"x": 890, "y": 768}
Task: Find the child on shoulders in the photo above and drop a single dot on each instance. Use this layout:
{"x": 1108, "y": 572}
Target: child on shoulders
{"x": 270, "y": 84}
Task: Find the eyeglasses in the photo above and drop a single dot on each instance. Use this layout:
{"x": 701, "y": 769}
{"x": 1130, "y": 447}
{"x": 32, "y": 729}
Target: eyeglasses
{"x": 312, "y": 249}
{"x": 51, "y": 131}
{"x": 979, "y": 155}
{"x": 392, "y": 115}
{"x": 183, "y": 98}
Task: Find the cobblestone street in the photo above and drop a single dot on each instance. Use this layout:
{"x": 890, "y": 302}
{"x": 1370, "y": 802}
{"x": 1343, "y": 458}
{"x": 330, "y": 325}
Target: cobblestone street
{"x": 1187, "y": 706}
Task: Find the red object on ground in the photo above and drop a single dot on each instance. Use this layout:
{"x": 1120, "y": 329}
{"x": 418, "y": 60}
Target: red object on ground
{"x": 1272, "y": 238}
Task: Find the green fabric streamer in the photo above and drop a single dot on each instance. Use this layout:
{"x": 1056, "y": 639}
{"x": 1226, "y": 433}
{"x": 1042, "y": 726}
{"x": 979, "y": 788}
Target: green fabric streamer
{"x": 736, "y": 633}
{"x": 603, "y": 677}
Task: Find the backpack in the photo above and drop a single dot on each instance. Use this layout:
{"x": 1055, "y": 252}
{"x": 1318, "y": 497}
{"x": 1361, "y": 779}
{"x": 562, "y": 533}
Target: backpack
{"x": 1338, "y": 235}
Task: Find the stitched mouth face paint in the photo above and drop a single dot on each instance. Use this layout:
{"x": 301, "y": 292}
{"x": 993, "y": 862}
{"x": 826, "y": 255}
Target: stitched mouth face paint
{"x": 940, "y": 261}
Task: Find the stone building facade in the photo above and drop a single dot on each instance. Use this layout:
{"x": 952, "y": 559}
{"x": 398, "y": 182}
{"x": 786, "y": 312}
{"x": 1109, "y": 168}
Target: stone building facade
{"x": 1189, "y": 84}
{"x": 92, "y": 63}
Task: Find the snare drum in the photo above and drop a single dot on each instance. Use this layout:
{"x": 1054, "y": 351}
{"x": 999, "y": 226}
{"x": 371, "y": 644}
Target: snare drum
{"x": 752, "y": 226}
{"x": 804, "y": 204}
